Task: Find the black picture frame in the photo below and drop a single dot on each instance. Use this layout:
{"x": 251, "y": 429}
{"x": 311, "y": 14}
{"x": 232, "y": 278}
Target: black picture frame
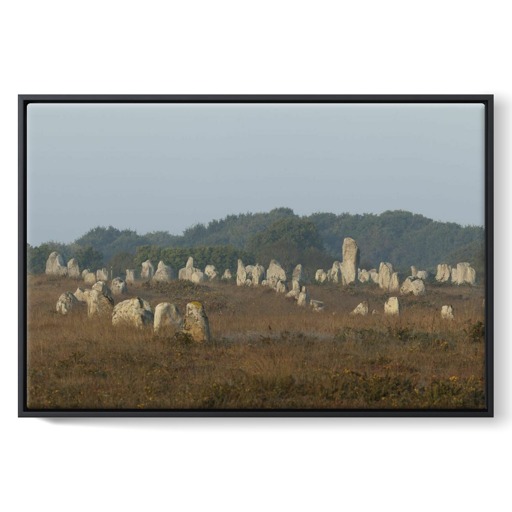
{"x": 25, "y": 100}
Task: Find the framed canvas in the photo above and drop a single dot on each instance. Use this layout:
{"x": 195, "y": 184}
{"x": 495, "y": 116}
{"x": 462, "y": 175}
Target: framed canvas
{"x": 255, "y": 255}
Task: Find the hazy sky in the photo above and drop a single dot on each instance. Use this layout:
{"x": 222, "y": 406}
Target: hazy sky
{"x": 167, "y": 167}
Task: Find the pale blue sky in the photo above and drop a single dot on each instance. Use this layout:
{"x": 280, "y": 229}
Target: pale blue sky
{"x": 166, "y": 167}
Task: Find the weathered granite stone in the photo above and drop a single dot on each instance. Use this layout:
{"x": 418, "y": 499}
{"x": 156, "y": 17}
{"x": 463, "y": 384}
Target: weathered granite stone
{"x": 275, "y": 273}
{"x": 98, "y": 304}
{"x": 350, "y": 261}
{"x": 385, "y": 273}
{"x": 422, "y": 274}
{"x": 148, "y": 271}
{"x": 413, "y": 285}
{"x": 320, "y": 276}
{"x": 443, "y": 273}
{"x": 210, "y": 272}
{"x": 258, "y": 273}
{"x": 447, "y": 312}
{"x": 164, "y": 273}
{"x": 130, "y": 276}
{"x": 118, "y": 286}
{"x": 281, "y": 287}
{"x": 66, "y": 303}
{"x": 361, "y": 309}
{"x": 90, "y": 278}
{"x": 334, "y": 274}
{"x": 394, "y": 284}
{"x": 464, "y": 274}
{"x": 364, "y": 276}
{"x": 227, "y": 276}
{"x": 197, "y": 277}
{"x": 80, "y": 295}
{"x": 73, "y": 269}
{"x": 374, "y": 275}
{"x": 102, "y": 274}
{"x": 196, "y": 323}
{"x": 135, "y": 312}
{"x": 392, "y": 306}
{"x": 167, "y": 316}
{"x": 103, "y": 288}
{"x": 55, "y": 265}
{"x": 298, "y": 275}
{"x": 241, "y": 274}
{"x": 303, "y": 298}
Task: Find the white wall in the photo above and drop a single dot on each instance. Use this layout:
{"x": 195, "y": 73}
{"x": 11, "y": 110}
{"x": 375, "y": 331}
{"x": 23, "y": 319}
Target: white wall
{"x": 255, "y": 47}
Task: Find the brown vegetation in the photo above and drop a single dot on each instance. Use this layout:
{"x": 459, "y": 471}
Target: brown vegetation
{"x": 266, "y": 352}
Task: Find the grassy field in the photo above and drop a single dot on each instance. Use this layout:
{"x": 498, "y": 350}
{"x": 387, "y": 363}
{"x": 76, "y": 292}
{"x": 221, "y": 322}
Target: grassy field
{"x": 266, "y": 352}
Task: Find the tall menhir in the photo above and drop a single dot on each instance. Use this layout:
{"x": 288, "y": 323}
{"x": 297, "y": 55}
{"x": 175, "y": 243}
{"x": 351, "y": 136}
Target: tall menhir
{"x": 350, "y": 263}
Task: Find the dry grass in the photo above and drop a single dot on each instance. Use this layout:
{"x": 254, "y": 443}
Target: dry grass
{"x": 266, "y": 352}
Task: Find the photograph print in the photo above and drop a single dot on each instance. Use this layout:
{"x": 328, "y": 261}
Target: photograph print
{"x": 255, "y": 255}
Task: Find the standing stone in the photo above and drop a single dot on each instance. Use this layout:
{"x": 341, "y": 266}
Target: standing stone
{"x": 454, "y": 275}
{"x": 334, "y": 274}
{"x": 80, "y": 295}
{"x": 392, "y": 306}
{"x": 443, "y": 272}
{"x": 102, "y": 274}
{"x": 414, "y": 271}
{"x": 281, "y": 287}
{"x": 361, "y": 309}
{"x": 294, "y": 292}
{"x": 103, "y": 288}
{"x": 303, "y": 298}
{"x": 275, "y": 273}
{"x": 210, "y": 272}
{"x": 197, "y": 276}
{"x": 374, "y": 275}
{"x": 66, "y": 303}
{"x": 385, "y": 273}
{"x": 98, "y": 304}
{"x": 130, "y": 276}
{"x": 413, "y": 285}
{"x": 55, "y": 265}
{"x": 298, "y": 274}
{"x": 186, "y": 273}
{"x": 447, "y": 312}
{"x": 464, "y": 274}
{"x": 227, "y": 276}
{"x": 241, "y": 274}
{"x": 248, "y": 271}
{"x": 196, "y": 323}
{"x": 164, "y": 273}
{"x": 258, "y": 273}
{"x": 422, "y": 274}
{"x": 394, "y": 284}
{"x": 320, "y": 276}
{"x": 118, "y": 286}
{"x": 364, "y": 276}
{"x": 470, "y": 276}
{"x": 350, "y": 261}
{"x": 167, "y": 315}
{"x": 148, "y": 270}
{"x": 135, "y": 312}
{"x": 90, "y": 278}
{"x": 73, "y": 268}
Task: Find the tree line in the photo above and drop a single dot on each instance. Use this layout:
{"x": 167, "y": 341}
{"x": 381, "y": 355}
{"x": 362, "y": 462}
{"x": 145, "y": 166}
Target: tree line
{"x": 400, "y": 237}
